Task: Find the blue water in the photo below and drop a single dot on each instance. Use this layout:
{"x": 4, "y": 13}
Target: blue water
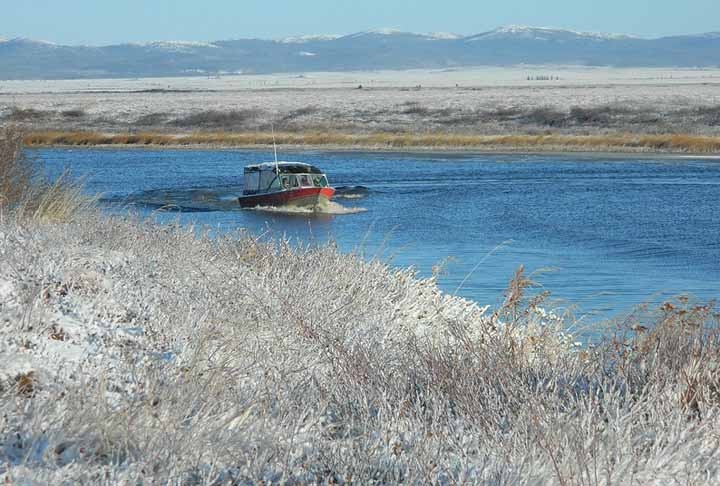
{"x": 602, "y": 234}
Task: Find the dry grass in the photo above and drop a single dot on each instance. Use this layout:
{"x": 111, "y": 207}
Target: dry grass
{"x": 16, "y": 170}
{"x": 618, "y": 142}
{"x": 60, "y": 200}
{"x": 25, "y": 194}
{"x": 193, "y": 360}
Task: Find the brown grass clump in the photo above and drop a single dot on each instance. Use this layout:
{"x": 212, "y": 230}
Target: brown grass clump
{"x": 682, "y": 346}
{"x": 61, "y": 200}
{"x": 57, "y": 333}
{"x": 25, "y": 193}
{"x": 26, "y": 383}
{"x": 16, "y": 170}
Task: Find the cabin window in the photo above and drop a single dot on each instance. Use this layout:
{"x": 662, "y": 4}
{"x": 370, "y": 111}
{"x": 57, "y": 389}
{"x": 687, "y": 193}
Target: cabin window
{"x": 305, "y": 181}
{"x": 274, "y": 184}
{"x": 285, "y": 182}
{"x": 320, "y": 181}
{"x": 252, "y": 181}
{"x": 293, "y": 181}
{"x": 268, "y": 180}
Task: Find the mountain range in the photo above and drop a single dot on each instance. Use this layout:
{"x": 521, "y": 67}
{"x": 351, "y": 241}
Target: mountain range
{"x": 22, "y": 58}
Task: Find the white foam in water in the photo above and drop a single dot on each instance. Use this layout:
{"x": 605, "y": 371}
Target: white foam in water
{"x": 331, "y": 208}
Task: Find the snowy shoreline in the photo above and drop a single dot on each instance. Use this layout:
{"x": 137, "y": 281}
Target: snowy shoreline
{"x": 136, "y": 352}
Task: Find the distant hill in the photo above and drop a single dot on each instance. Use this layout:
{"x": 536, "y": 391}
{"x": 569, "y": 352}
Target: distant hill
{"x": 371, "y": 50}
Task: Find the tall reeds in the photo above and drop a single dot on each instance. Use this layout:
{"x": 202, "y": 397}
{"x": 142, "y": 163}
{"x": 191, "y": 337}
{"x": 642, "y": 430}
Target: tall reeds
{"x": 24, "y": 191}
{"x": 677, "y": 143}
{"x": 16, "y": 170}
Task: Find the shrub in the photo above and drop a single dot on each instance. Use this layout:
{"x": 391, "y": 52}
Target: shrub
{"x": 151, "y": 119}
{"x": 28, "y": 114}
{"x": 217, "y": 119}
{"x": 547, "y": 116}
{"x": 76, "y": 113}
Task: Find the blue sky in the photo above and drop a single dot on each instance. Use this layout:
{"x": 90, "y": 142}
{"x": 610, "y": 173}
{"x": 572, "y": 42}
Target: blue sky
{"x": 114, "y": 21}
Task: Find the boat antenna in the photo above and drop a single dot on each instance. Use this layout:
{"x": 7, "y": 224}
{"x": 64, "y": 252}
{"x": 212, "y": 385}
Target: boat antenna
{"x": 277, "y": 167}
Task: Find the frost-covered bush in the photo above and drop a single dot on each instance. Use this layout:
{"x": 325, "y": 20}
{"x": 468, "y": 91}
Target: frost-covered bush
{"x": 134, "y": 352}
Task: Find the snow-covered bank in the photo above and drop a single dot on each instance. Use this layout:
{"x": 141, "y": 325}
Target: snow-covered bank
{"x": 133, "y": 352}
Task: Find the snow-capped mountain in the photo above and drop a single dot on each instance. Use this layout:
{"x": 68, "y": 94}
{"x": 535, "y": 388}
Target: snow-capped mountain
{"x": 176, "y": 45}
{"x": 368, "y": 50}
{"x": 303, "y": 39}
{"x": 515, "y": 32}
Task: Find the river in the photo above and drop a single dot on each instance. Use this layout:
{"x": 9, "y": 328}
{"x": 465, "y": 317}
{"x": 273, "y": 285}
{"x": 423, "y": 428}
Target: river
{"x": 601, "y": 233}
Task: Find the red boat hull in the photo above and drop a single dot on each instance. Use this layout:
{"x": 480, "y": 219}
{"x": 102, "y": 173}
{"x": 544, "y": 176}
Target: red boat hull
{"x": 305, "y": 197}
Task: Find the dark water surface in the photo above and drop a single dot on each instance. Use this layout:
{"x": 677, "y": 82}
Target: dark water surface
{"x": 602, "y": 234}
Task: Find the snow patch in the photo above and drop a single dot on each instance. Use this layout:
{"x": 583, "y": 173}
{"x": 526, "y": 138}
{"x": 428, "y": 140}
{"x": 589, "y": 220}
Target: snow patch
{"x": 7, "y": 290}
{"x": 443, "y": 36}
{"x": 308, "y": 38}
{"x": 543, "y": 33}
{"x": 26, "y": 41}
{"x": 374, "y": 32}
{"x": 176, "y": 45}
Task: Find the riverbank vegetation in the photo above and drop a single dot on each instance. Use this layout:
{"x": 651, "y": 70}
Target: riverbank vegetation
{"x": 24, "y": 191}
{"x": 134, "y": 352}
{"x": 624, "y": 142}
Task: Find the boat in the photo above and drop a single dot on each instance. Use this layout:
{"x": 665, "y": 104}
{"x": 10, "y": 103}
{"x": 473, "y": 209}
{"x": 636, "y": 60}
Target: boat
{"x": 293, "y": 184}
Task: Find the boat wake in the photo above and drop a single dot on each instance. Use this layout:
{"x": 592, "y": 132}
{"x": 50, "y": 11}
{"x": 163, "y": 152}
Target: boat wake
{"x": 207, "y": 200}
{"x": 331, "y": 208}
{"x": 351, "y": 192}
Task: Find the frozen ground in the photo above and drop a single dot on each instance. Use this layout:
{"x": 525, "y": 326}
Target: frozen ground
{"x": 525, "y": 99}
{"x": 132, "y": 353}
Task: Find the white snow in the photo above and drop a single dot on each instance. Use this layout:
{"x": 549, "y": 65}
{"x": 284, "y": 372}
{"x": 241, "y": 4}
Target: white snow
{"x": 372, "y": 32}
{"x": 542, "y": 33}
{"x": 25, "y": 40}
{"x": 307, "y": 38}
{"x": 443, "y": 36}
{"x": 176, "y": 45}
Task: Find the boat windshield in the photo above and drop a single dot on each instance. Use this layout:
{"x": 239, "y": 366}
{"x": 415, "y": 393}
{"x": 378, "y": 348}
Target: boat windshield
{"x": 264, "y": 178}
{"x": 320, "y": 181}
{"x": 290, "y": 181}
{"x": 260, "y": 181}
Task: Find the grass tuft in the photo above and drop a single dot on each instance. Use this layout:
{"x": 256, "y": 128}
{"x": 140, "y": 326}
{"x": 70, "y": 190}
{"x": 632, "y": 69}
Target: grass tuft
{"x": 25, "y": 193}
{"x": 16, "y": 170}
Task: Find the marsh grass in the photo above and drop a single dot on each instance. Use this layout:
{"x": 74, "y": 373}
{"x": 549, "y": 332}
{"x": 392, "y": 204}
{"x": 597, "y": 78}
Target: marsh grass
{"x": 60, "y": 200}
{"x": 24, "y": 192}
{"x": 16, "y": 170}
{"x": 234, "y": 361}
{"x": 612, "y": 142}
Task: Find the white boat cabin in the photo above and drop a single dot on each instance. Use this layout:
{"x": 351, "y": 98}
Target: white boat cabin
{"x": 271, "y": 177}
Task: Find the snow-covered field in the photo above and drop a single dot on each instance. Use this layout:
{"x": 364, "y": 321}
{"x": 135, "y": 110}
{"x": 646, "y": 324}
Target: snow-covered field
{"x": 482, "y": 100}
{"x": 132, "y": 352}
